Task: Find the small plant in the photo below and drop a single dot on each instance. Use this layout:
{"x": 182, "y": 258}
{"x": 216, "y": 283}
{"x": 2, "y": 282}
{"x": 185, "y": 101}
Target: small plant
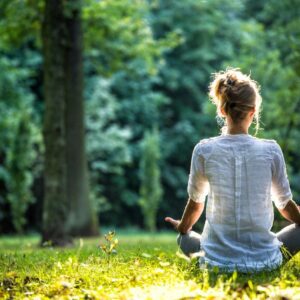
{"x": 111, "y": 243}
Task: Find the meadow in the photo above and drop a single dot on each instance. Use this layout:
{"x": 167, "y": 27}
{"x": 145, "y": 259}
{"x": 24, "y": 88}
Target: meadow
{"x": 130, "y": 265}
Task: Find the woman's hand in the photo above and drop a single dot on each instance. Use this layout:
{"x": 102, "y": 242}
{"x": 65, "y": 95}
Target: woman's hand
{"x": 291, "y": 212}
{"x": 173, "y": 222}
{"x": 177, "y": 224}
{"x": 191, "y": 214}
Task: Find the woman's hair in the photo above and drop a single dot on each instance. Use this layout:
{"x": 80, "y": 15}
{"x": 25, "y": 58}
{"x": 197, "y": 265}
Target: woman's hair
{"x": 235, "y": 93}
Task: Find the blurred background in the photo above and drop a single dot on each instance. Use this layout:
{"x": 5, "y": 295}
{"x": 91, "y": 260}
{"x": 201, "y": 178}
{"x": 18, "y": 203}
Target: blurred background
{"x": 144, "y": 69}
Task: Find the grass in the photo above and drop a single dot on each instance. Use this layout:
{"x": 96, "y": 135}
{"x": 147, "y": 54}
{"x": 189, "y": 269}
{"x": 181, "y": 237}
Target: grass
{"x": 145, "y": 266}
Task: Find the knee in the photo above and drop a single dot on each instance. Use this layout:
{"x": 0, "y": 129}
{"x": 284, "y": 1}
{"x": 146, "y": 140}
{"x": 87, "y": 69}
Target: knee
{"x": 179, "y": 238}
{"x": 182, "y": 237}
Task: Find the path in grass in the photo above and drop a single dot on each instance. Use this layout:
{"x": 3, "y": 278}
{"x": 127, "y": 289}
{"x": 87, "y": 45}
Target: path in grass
{"x": 144, "y": 267}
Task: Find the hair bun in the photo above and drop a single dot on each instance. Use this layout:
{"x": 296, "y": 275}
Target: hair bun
{"x": 230, "y": 79}
{"x": 224, "y": 86}
{"x": 230, "y": 82}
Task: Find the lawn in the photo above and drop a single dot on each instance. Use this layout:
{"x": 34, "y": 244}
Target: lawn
{"x": 139, "y": 266}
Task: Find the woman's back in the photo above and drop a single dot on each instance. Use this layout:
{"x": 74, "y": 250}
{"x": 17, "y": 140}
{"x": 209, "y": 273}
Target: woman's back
{"x": 239, "y": 172}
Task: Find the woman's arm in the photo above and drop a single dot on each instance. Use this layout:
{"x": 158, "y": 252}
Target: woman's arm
{"x": 291, "y": 212}
{"x": 191, "y": 214}
{"x": 198, "y": 188}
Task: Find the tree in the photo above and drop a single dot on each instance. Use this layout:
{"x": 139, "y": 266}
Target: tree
{"x": 150, "y": 190}
{"x": 55, "y": 212}
{"x": 66, "y": 187}
{"x": 82, "y": 218}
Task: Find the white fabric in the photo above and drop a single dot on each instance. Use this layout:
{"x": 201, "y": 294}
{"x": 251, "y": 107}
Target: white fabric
{"x": 241, "y": 175}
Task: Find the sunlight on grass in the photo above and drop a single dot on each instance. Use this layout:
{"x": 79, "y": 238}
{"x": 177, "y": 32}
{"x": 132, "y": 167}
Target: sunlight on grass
{"x": 142, "y": 267}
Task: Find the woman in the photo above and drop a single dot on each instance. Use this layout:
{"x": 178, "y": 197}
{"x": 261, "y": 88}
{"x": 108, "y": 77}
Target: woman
{"x": 241, "y": 175}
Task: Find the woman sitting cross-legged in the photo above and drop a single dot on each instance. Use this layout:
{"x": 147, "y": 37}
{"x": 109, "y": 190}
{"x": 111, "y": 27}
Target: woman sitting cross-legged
{"x": 241, "y": 175}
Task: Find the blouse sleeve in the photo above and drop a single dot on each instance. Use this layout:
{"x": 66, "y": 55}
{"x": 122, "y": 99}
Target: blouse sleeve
{"x": 281, "y": 192}
{"x": 198, "y": 185}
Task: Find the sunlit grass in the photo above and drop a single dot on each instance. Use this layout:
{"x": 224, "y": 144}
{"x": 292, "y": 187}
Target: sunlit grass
{"x": 144, "y": 267}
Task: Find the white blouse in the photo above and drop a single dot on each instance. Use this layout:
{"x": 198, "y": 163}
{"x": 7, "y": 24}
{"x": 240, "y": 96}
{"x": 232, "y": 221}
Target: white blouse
{"x": 241, "y": 175}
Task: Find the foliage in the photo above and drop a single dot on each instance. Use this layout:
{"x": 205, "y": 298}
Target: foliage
{"x": 121, "y": 48}
{"x": 138, "y": 109}
{"x": 20, "y": 141}
{"x": 107, "y": 142}
{"x": 145, "y": 267}
{"x": 117, "y": 33}
{"x": 132, "y": 45}
{"x": 150, "y": 190}
{"x": 20, "y": 22}
{"x": 148, "y": 62}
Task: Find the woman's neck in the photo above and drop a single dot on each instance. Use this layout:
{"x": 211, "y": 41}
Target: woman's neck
{"x": 237, "y": 129}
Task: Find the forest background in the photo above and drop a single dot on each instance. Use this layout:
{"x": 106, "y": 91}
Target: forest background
{"x": 146, "y": 69}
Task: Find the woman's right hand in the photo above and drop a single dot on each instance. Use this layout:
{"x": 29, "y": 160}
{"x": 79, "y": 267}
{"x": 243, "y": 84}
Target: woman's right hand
{"x": 173, "y": 222}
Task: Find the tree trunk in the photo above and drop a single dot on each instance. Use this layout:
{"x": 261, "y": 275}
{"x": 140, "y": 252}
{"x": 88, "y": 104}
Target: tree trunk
{"x": 67, "y": 208}
{"x": 82, "y": 219}
{"x": 55, "y": 210}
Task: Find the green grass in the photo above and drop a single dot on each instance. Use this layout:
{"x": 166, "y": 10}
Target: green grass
{"x": 144, "y": 267}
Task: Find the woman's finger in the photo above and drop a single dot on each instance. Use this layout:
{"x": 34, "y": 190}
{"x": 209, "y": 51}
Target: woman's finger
{"x": 172, "y": 221}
